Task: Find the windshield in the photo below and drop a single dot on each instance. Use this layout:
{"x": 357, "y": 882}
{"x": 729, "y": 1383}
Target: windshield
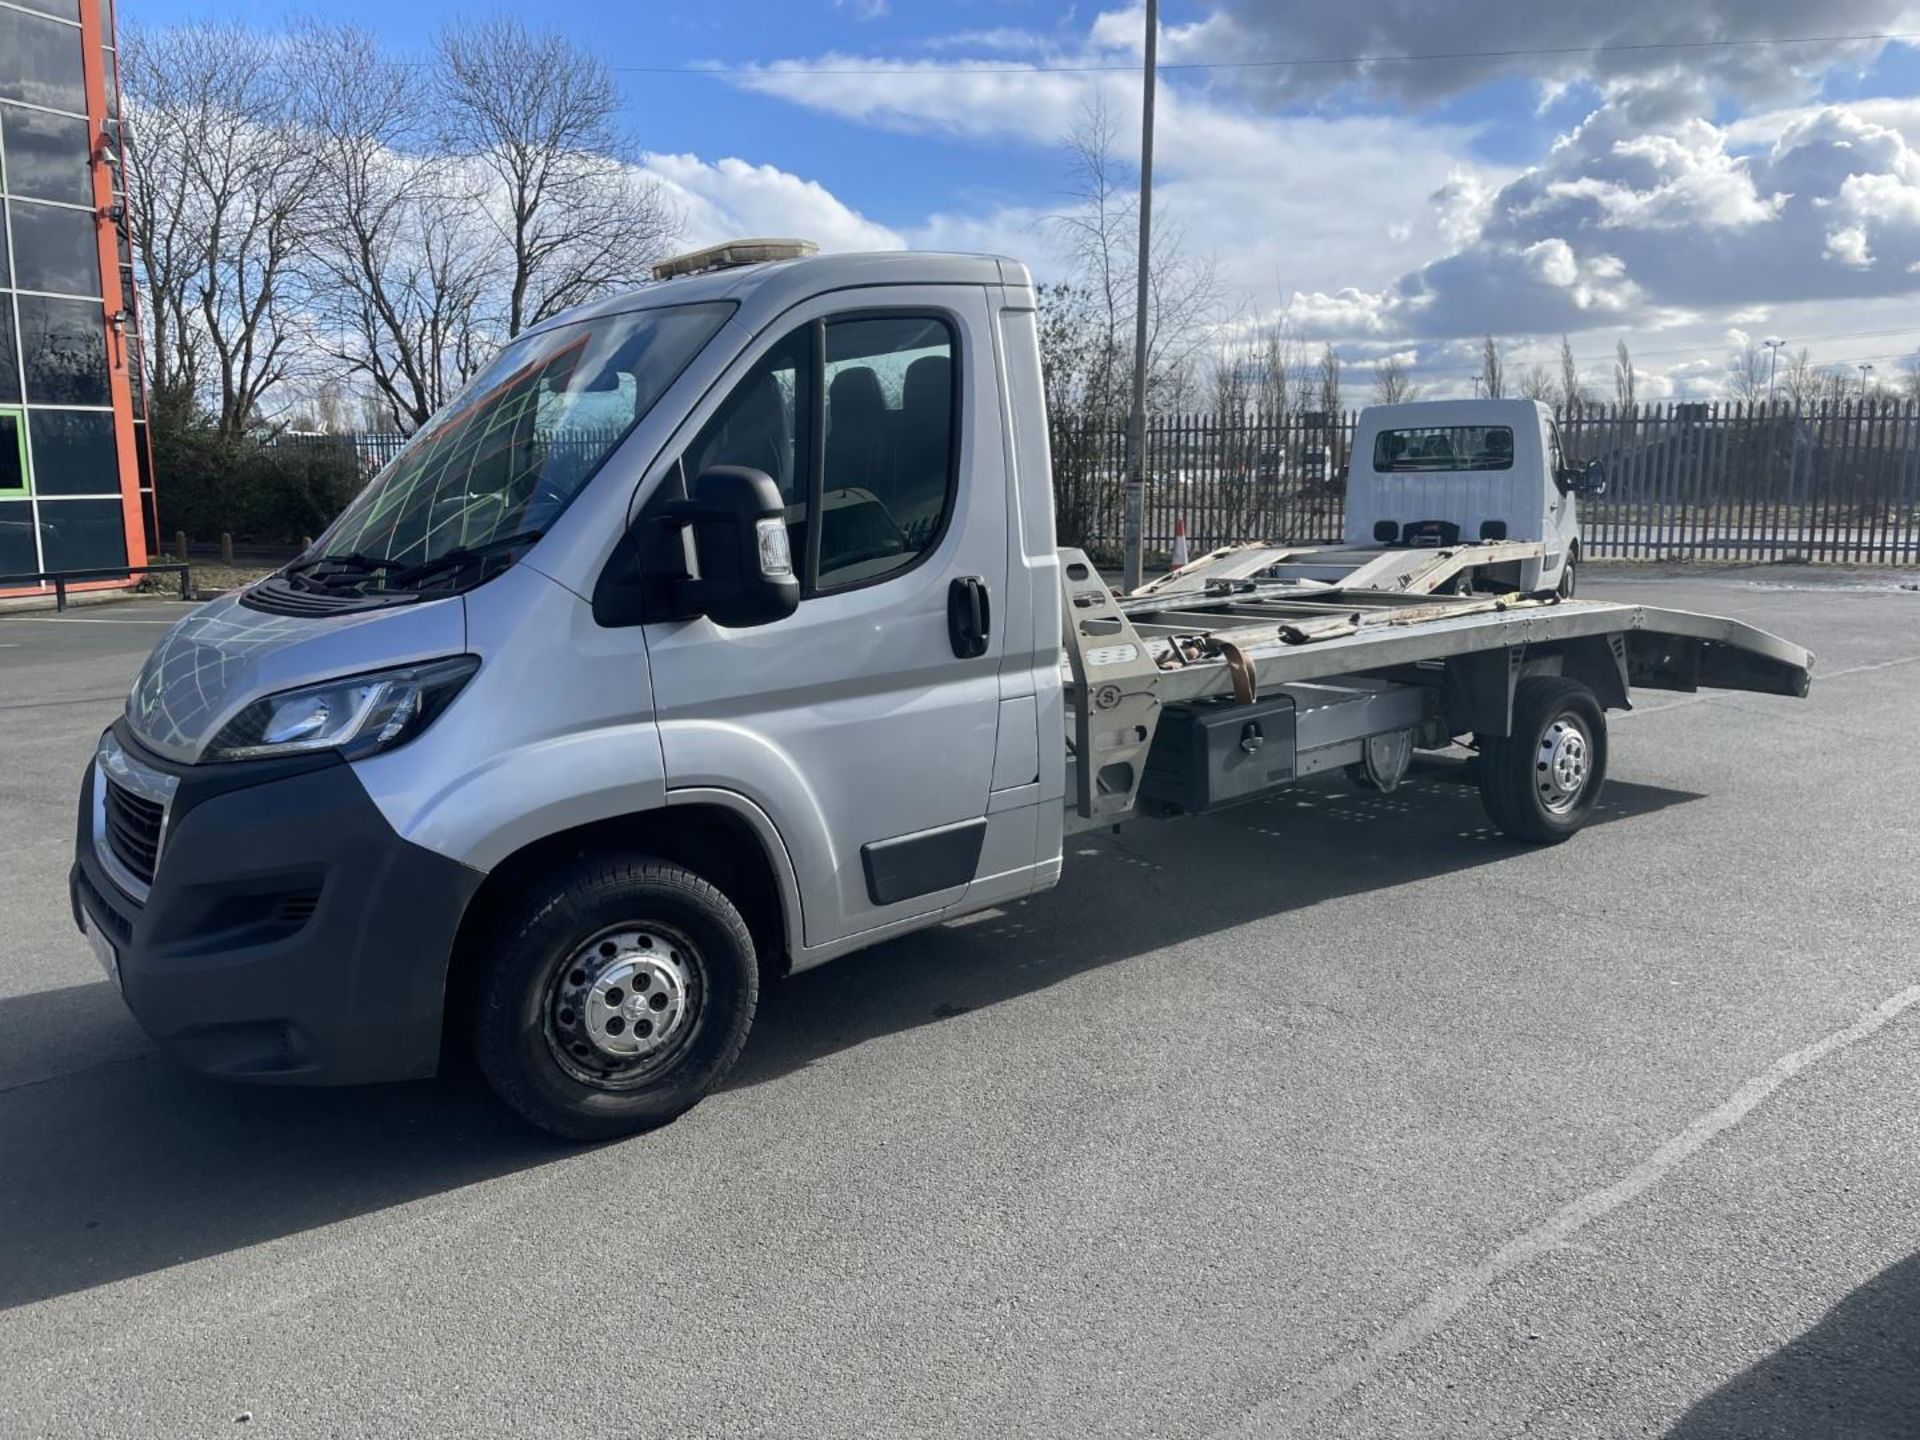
{"x": 502, "y": 461}
{"x": 1444, "y": 447}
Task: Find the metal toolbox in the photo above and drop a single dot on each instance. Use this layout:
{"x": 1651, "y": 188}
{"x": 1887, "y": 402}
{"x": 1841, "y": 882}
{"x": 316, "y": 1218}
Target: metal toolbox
{"x": 1213, "y": 753}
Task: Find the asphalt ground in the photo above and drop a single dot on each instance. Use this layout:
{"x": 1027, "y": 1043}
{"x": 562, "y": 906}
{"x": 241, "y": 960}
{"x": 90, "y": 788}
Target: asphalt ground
{"x": 1336, "y": 1115}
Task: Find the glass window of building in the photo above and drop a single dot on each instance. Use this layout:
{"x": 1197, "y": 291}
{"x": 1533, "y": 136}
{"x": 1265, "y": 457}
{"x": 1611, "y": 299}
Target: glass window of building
{"x": 65, "y": 348}
{"x": 40, "y": 61}
{"x": 9, "y": 349}
{"x": 13, "y": 453}
{"x": 73, "y": 452}
{"x": 46, "y": 156}
{"x": 83, "y": 534}
{"x": 54, "y": 249}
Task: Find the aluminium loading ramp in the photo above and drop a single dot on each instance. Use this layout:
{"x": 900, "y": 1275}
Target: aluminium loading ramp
{"x": 1125, "y": 658}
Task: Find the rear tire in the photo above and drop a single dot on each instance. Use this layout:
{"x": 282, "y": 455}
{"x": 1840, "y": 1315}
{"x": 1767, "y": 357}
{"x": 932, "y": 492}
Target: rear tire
{"x": 1540, "y": 783}
{"x": 618, "y": 994}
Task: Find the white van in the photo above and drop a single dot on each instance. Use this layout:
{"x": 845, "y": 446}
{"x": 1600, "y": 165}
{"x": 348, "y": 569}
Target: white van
{"x": 1443, "y": 472}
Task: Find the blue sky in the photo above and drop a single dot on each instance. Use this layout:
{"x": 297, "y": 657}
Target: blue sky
{"x": 1681, "y": 199}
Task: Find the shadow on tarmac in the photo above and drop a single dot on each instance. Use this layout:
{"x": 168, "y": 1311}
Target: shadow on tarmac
{"x": 131, "y": 1165}
{"x": 1853, "y": 1376}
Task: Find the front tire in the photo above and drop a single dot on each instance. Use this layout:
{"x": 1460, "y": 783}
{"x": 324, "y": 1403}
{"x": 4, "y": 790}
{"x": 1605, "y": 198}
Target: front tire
{"x": 1569, "y": 578}
{"x": 618, "y": 994}
{"x": 1540, "y": 783}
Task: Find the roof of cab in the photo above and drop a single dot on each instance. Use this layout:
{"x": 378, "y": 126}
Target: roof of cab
{"x": 775, "y": 285}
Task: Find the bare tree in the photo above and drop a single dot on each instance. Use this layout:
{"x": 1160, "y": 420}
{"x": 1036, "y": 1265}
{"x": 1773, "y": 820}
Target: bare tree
{"x": 1747, "y": 372}
{"x": 1572, "y": 392}
{"x": 1492, "y": 380}
{"x": 400, "y": 266}
{"x": 1391, "y": 384}
{"x": 1096, "y": 228}
{"x": 1538, "y": 384}
{"x": 1623, "y": 378}
{"x": 1099, "y": 230}
{"x": 538, "y": 114}
{"x": 1329, "y": 381}
{"x": 1910, "y": 380}
{"x": 220, "y": 199}
{"x": 1283, "y": 367}
{"x": 1798, "y": 381}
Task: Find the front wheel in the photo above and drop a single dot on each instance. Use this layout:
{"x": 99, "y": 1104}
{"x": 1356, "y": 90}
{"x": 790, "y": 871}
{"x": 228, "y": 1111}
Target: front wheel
{"x": 1568, "y": 578}
{"x": 1541, "y": 782}
{"x": 619, "y": 993}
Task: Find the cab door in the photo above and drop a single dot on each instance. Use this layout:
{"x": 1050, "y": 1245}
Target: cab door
{"x": 1562, "y": 520}
{"x": 863, "y": 725}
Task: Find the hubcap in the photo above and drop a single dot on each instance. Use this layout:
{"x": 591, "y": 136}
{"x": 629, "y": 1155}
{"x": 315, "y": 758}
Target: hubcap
{"x": 1562, "y": 764}
{"x": 623, "y": 1006}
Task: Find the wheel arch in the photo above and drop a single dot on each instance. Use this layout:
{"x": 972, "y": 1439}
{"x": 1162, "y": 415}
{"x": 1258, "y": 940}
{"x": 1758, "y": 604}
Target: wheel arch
{"x": 721, "y": 836}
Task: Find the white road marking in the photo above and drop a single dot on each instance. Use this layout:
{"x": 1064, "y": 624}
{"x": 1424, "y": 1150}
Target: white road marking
{"x": 1283, "y": 1414}
{"x": 79, "y": 620}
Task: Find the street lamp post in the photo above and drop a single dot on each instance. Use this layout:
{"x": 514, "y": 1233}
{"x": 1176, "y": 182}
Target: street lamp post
{"x": 1133, "y": 526}
{"x": 1773, "y": 344}
{"x": 1865, "y": 371}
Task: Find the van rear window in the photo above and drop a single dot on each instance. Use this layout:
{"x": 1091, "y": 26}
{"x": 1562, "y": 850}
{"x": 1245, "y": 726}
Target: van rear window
{"x": 1444, "y": 447}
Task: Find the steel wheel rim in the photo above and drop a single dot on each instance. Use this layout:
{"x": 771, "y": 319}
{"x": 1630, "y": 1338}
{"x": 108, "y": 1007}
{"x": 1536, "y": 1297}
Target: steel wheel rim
{"x": 1562, "y": 764}
{"x": 623, "y": 1006}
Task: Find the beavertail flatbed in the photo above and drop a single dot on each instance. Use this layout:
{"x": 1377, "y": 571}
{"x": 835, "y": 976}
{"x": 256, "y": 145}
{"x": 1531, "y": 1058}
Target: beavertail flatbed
{"x": 1366, "y": 662}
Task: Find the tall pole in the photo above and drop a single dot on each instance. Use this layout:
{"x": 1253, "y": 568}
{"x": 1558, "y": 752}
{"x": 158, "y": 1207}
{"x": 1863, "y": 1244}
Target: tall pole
{"x": 1773, "y": 364}
{"x": 1865, "y": 371}
{"x": 1133, "y": 532}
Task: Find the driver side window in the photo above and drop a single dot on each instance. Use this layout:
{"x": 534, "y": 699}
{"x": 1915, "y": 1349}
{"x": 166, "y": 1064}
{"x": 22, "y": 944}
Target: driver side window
{"x": 855, "y": 420}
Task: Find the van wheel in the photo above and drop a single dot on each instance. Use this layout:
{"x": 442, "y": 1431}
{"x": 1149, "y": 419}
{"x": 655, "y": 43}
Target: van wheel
{"x": 1540, "y": 783}
{"x": 619, "y": 993}
{"x": 1568, "y": 578}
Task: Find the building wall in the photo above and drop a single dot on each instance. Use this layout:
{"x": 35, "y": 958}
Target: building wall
{"x": 75, "y": 492}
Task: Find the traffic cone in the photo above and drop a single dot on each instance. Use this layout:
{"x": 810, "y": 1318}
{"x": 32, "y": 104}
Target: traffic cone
{"x": 1179, "y": 542}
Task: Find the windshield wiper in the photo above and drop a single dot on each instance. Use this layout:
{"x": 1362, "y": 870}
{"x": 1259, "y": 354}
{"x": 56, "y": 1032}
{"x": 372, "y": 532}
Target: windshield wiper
{"x": 349, "y": 566}
{"x": 461, "y": 555}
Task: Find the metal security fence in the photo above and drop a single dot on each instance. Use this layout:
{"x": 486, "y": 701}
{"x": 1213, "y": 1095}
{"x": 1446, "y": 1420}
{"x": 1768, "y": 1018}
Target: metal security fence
{"x": 1839, "y": 482}
{"x": 1732, "y": 481}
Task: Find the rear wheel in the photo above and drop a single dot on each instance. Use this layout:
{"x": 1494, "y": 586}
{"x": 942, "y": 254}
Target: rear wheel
{"x": 619, "y": 993}
{"x": 1540, "y": 783}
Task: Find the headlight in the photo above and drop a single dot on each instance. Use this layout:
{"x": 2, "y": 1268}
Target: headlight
{"x": 358, "y": 716}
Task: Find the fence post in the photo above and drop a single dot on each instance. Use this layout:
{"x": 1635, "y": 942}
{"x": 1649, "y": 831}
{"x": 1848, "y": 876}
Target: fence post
{"x": 226, "y": 548}
{"x": 180, "y": 543}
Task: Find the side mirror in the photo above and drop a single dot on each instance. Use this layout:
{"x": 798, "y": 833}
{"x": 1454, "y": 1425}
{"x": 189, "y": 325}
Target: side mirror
{"x": 1592, "y": 479}
{"x": 741, "y": 569}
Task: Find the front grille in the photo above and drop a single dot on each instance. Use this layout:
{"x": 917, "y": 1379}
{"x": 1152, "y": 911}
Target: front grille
{"x": 133, "y": 830}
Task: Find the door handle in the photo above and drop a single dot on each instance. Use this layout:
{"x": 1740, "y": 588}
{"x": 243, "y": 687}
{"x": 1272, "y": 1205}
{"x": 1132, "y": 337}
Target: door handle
{"x": 969, "y": 616}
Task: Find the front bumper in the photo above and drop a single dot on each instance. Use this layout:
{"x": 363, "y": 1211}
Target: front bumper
{"x": 289, "y": 934}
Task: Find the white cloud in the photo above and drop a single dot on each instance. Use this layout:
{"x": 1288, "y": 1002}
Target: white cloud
{"x": 727, "y": 199}
{"x": 1849, "y": 247}
{"x": 1618, "y": 226}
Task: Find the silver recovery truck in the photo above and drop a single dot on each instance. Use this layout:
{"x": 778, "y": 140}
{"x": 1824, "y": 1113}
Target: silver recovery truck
{"x": 718, "y": 630}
